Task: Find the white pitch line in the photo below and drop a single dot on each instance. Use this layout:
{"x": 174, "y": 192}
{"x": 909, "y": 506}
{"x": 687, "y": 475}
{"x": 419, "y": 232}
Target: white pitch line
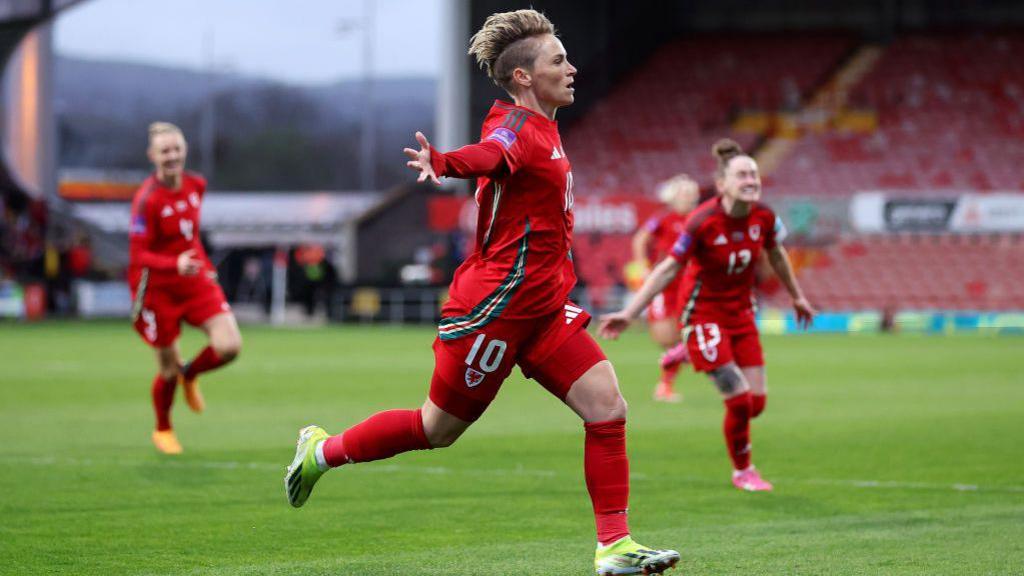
{"x": 912, "y": 485}
{"x": 498, "y": 472}
{"x": 233, "y": 465}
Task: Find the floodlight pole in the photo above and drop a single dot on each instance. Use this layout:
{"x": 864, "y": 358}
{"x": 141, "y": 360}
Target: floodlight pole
{"x": 368, "y": 140}
{"x": 208, "y": 117}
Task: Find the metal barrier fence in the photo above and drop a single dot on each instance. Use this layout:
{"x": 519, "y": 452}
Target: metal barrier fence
{"x": 422, "y": 305}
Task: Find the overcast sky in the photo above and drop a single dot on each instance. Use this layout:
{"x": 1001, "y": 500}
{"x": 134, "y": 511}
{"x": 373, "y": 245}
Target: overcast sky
{"x": 294, "y": 41}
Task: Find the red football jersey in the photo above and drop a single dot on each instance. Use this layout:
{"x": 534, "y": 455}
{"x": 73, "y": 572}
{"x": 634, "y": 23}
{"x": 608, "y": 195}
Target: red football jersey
{"x": 521, "y": 265}
{"x": 665, "y": 228}
{"x": 165, "y": 223}
{"x": 722, "y": 252}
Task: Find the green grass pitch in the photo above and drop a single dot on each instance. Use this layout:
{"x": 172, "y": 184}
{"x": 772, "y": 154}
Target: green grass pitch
{"x": 890, "y": 455}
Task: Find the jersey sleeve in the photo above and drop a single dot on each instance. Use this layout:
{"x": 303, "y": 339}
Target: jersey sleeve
{"x": 652, "y": 223}
{"x": 514, "y": 145}
{"x": 513, "y": 135}
{"x": 481, "y": 159}
{"x": 776, "y": 233}
{"x": 141, "y": 232}
{"x": 686, "y": 244}
{"x": 200, "y": 185}
{"x": 504, "y": 148}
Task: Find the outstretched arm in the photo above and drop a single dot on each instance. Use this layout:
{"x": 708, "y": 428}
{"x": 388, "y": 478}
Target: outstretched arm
{"x": 641, "y": 241}
{"x": 615, "y": 323}
{"x": 779, "y": 260}
{"x": 467, "y": 162}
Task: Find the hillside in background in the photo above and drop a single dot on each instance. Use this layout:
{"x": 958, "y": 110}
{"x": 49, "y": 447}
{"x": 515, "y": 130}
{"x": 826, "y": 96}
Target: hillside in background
{"x": 267, "y": 135}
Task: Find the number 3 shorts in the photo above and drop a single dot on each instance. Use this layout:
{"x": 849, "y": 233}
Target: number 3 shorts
{"x": 158, "y": 312}
{"x": 555, "y": 350}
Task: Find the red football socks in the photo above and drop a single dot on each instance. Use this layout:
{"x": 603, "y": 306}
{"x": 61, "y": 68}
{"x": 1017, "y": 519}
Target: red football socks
{"x": 606, "y": 469}
{"x": 380, "y": 436}
{"x": 737, "y": 429}
{"x": 757, "y": 403}
{"x": 206, "y": 360}
{"x": 163, "y": 398}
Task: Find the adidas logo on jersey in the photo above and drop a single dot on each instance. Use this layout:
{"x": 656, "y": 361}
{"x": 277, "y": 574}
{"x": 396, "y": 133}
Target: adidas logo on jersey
{"x": 720, "y": 240}
{"x": 571, "y": 312}
{"x": 556, "y": 154}
{"x": 167, "y": 211}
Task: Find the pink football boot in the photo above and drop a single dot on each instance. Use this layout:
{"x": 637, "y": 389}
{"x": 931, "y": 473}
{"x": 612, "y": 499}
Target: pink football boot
{"x": 750, "y": 481}
{"x": 678, "y": 354}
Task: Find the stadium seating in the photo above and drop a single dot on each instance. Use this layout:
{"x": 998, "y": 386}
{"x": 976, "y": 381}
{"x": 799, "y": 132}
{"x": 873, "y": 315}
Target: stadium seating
{"x": 947, "y": 116}
{"x": 663, "y": 118}
{"x": 950, "y": 112}
{"x": 916, "y": 272}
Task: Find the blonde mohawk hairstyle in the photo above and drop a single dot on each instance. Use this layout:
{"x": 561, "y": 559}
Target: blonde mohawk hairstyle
{"x": 157, "y": 128}
{"x": 504, "y": 43}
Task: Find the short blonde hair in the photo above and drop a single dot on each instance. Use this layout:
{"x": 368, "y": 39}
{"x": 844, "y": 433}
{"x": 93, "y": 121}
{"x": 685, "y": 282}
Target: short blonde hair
{"x": 157, "y": 128}
{"x": 670, "y": 189}
{"x": 504, "y": 43}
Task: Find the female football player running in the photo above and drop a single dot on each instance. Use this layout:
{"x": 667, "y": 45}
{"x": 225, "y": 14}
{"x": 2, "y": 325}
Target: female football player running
{"x": 172, "y": 279}
{"x": 509, "y": 300}
{"x": 721, "y": 242}
{"x": 651, "y": 243}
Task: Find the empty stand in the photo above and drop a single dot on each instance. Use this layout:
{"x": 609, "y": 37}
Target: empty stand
{"x": 663, "y": 118}
{"x": 916, "y": 272}
{"x": 950, "y": 117}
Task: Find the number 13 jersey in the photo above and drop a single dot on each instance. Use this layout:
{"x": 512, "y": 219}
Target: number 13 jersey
{"x": 719, "y": 254}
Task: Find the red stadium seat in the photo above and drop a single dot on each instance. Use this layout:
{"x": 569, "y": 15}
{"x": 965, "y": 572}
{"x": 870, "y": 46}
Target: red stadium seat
{"x": 950, "y": 110}
{"x": 918, "y": 272}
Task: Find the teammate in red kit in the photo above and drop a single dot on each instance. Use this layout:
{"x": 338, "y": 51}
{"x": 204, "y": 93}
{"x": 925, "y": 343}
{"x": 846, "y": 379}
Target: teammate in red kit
{"x": 651, "y": 243}
{"x": 172, "y": 279}
{"x": 509, "y": 300}
{"x": 722, "y": 241}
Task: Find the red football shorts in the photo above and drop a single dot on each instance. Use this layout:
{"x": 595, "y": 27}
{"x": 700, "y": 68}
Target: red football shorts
{"x": 668, "y": 305}
{"x": 555, "y": 350}
{"x": 158, "y": 310}
{"x": 713, "y": 345}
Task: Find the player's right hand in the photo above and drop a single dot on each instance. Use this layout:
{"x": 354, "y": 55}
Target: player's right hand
{"x": 187, "y": 264}
{"x": 804, "y": 312}
{"x": 420, "y": 160}
{"x": 614, "y": 324}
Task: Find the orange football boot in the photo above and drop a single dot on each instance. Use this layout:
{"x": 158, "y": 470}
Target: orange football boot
{"x": 166, "y": 442}
{"x": 193, "y": 397}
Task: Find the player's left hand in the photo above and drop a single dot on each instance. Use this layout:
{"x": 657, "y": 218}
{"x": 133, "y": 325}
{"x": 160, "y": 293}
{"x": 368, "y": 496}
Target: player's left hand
{"x": 614, "y": 324}
{"x": 420, "y": 160}
{"x": 804, "y": 312}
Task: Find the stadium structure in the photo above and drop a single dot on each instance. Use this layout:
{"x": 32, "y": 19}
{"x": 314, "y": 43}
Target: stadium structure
{"x": 889, "y": 134}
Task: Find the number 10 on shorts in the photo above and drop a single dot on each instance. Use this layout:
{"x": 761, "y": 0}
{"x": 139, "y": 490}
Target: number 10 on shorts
{"x": 489, "y": 359}
{"x": 492, "y": 355}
